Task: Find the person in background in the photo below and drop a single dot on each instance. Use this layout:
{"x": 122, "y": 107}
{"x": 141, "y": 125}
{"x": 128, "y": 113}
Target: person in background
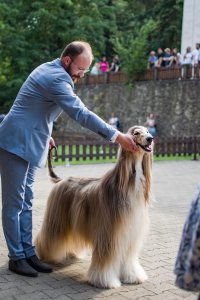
{"x": 2, "y": 116}
{"x": 188, "y": 57}
{"x": 150, "y": 123}
{"x": 160, "y": 62}
{"x": 118, "y": 60}
{"x": 196, "y": 55}
{"x": 104, "y": 65}
{"x": 115, "y": 65}
{"x": 152, "y": 60}
{"x": 168, "y": 58}
{"x": 176, "y": 58}
{"x": 95, "y": 69}
{"x": 113, "y": 121}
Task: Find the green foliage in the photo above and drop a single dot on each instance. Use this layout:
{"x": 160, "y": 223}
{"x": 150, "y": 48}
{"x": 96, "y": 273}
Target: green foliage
{"x": 169, "y": 13}
{"x": 134, "y": 51}
{"x": 33, "y": 32}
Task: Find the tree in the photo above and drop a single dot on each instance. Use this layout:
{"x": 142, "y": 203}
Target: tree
{"x": 168, "y": 14}
{"x": 33, "y": 32}
{"x": 134, "y": 51}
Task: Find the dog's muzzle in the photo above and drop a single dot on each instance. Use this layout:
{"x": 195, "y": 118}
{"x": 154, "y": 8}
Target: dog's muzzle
{"x": 148, "y": 147}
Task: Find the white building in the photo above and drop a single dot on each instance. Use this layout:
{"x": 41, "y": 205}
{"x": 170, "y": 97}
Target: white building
{"x": 191, "y": 25}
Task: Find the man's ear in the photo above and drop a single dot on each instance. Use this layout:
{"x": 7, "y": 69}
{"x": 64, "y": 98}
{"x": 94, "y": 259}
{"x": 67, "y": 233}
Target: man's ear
{"x": 66, "y": 61}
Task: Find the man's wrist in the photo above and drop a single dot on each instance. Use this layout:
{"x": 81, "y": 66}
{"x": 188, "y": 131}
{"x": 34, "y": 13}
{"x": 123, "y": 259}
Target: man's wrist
{"x": 119, "y": 137}
{"x": 115, "y": 136}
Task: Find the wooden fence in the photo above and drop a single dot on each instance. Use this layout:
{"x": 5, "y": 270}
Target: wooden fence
{"x": 85, "y": 149}
{"x": 177, "y": 146}
{"x": 183, "y": 72}
{"x": 96, "y": 149}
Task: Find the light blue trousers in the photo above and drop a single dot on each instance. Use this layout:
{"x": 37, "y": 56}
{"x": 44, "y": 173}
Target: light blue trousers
{"x": 17, "y": 180}
{"x": 151, "y": 130}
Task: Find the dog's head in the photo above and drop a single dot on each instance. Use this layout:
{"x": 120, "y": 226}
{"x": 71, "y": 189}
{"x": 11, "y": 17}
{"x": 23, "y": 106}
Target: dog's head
{"x": 142, "y": 138}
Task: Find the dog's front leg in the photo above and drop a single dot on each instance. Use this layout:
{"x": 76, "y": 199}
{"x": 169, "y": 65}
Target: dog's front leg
{"x": 131, "y": 270}
{"x": 104, "y": 271}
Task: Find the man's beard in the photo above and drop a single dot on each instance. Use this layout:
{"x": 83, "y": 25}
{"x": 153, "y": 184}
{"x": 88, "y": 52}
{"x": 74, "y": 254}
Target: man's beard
{"x": 74, "y": 77}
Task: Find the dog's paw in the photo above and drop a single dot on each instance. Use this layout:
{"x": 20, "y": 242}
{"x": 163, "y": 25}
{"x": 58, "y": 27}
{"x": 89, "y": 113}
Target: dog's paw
{"x": 106, "y": 284}
{"x": 140, "y": 273}
{"x": 141, "y": 278}
{"x": 129, "y": 278}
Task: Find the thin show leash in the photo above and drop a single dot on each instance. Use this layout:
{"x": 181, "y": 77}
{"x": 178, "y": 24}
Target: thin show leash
{"x": 56, "y": 152}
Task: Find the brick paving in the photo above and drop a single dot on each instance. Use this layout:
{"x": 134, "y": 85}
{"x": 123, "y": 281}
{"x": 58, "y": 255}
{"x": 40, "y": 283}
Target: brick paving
{"x": 174, "y": 183}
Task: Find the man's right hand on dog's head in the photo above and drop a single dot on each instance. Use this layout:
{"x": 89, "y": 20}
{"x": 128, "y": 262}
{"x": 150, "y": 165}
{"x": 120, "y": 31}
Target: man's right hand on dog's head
{"x": 127, "y": 142}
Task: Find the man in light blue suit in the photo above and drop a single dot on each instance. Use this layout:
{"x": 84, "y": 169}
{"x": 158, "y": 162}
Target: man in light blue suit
{"x": 25, "y": 137}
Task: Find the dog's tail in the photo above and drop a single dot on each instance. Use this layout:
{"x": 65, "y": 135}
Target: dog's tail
{"x": 54, "y": 178}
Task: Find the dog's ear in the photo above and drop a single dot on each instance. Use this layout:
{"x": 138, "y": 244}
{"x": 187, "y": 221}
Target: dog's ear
{"x": 132, "y": 131}
{"x": 125, "y": 169}
{"x": 115, "y": 183}
{"x": 147, "y": 171}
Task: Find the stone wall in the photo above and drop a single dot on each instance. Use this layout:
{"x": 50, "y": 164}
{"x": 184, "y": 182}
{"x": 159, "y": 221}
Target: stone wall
{"x": 175, "y": 104}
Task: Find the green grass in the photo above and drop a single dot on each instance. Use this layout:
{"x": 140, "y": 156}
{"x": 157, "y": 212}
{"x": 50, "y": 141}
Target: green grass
{"x": 108, "y": 160}
{"x": 176, "y": 157}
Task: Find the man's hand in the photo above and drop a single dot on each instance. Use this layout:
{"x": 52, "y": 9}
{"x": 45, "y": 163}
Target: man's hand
{"x": 127, "y": 142}
{"x": 51, "y": 143}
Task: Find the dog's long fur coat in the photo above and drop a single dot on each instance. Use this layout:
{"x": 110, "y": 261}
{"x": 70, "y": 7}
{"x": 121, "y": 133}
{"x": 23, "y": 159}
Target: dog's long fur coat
{"x": 108, "y": 214}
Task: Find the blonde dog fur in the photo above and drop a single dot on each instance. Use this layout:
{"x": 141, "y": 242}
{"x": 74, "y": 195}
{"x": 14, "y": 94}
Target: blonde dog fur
{"x": 108, "y": 214}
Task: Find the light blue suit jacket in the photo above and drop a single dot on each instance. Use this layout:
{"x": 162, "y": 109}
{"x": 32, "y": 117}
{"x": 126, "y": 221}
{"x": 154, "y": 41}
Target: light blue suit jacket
{"x": 27, "y": 128}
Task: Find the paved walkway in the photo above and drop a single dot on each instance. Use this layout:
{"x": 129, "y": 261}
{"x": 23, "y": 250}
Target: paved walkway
{"x": 173, "y": 187}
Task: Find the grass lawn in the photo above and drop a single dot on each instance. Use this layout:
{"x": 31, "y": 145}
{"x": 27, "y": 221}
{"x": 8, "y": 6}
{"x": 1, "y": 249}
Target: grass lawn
{"x": 108, "y": 160}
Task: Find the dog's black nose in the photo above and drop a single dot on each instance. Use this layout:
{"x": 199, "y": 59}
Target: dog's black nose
{"x": 149, "y": 139}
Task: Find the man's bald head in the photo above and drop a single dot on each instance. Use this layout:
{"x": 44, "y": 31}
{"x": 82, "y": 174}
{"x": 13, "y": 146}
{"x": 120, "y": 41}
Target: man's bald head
{"x": 76, "y": 48}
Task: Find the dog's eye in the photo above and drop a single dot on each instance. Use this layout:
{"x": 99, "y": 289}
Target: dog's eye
{"x": 136, "y": 133}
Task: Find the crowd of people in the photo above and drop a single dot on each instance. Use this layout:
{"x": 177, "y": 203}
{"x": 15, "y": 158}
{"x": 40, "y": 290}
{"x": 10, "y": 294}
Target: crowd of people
{"x": 164, "y": 58}
{"x": 103, "y": 66}
{"x": 168, "y": 58}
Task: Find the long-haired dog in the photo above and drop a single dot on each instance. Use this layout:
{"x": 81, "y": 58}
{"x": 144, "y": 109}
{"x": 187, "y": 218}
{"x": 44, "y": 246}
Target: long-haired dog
{"x": 108, "y": 214}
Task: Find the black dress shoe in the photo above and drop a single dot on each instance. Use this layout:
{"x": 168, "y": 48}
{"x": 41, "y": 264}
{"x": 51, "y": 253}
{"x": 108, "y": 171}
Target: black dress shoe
{"x": 21, "y": 267}
{"x": 34, "y": 262}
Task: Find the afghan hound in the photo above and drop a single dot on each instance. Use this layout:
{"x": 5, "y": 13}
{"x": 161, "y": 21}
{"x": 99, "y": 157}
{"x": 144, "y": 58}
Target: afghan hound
{"x": 108, "y": 214}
